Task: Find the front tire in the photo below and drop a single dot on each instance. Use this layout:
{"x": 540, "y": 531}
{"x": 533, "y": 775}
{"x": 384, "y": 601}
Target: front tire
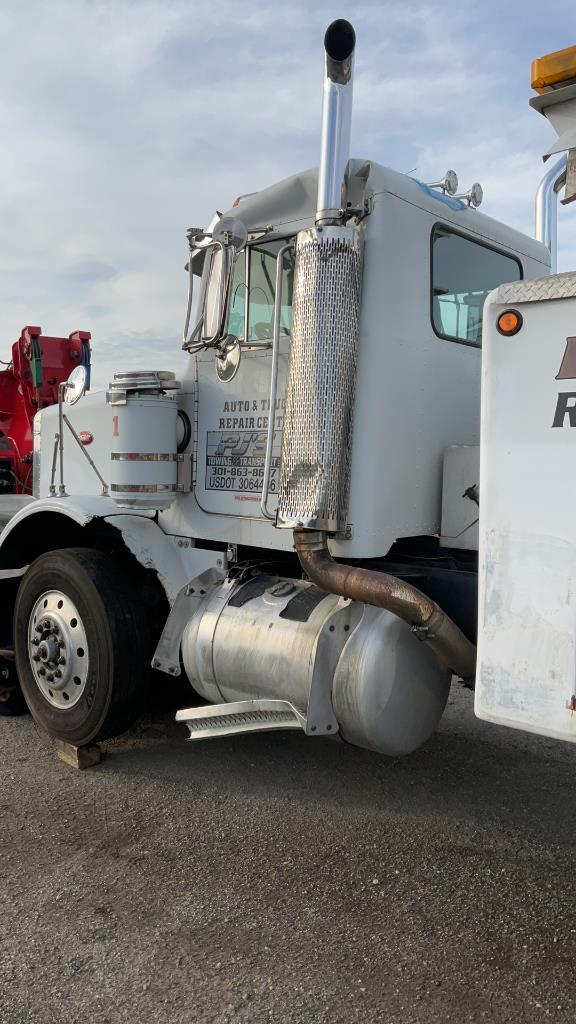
{"x": 82, "y": 643}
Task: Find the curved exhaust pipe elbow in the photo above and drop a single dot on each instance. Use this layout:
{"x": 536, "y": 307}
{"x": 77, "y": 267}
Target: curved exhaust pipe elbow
{"x": 424, "y": 616}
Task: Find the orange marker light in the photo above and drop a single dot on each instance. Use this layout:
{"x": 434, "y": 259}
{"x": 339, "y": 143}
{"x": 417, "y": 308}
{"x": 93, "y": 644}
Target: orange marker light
{"x": 509, "y": 322}
{"x": 554, "y": 69}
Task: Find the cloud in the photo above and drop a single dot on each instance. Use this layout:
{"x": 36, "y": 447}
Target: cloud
{"x": 125, "y": 122}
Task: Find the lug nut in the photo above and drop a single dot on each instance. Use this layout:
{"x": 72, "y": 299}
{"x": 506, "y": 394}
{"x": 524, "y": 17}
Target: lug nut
{"x": 41, "y": 671}
{"x": 57, "y": 674}
{"x": 61, "y": 661}
{"x": 35, "y": 657}
{"x": 35, "y": 641}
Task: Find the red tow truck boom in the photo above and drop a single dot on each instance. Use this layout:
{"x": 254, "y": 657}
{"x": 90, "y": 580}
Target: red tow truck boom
{"x": 29, "y": 383}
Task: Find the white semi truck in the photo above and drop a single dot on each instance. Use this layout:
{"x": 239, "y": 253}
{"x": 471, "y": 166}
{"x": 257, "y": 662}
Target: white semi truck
{"x": 294, "y": 524}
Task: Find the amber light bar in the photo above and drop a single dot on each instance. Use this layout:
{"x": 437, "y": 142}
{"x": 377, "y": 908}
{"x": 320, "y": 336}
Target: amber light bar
{"x": 554, "y": 69}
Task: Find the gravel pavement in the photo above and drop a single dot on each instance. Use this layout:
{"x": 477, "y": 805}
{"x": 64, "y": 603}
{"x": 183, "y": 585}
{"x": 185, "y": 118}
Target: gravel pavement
{"x": 277, "y": 878}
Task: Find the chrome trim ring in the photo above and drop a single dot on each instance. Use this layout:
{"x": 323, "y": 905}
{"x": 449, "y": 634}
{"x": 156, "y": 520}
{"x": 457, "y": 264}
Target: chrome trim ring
{"x": 58, "y": 649}
{"x": 145, "y": 380}
{"x": 144, "y": 457}
{"x": 143, "y": 488}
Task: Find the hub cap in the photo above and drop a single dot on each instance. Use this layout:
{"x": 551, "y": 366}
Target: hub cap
{"x": 58, "y": 649}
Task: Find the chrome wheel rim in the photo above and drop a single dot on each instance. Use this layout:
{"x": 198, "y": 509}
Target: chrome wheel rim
{"x": 58, "y": 649}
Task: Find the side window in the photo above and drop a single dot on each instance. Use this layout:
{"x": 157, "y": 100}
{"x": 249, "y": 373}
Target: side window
{"x": 262, "y": 258}
{"x": 463, "y": 272}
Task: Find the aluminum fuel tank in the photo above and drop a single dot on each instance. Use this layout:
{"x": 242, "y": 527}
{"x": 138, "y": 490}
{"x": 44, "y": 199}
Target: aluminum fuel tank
{"x": 277, "y": 638}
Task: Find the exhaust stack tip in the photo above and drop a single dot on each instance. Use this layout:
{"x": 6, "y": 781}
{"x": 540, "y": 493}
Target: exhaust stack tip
{"x": 339, "y": 44}
{"x": 339, "y": 40}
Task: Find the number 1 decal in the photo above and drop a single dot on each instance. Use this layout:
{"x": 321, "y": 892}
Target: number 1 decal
{"x": 115, "y": 431}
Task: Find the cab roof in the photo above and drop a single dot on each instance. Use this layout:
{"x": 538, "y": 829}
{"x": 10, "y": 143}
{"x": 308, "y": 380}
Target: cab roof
{"x": 290, "y": 205}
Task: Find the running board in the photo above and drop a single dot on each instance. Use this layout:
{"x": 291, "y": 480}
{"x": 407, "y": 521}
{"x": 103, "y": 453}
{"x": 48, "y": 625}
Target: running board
{"x": 240, "y": 716}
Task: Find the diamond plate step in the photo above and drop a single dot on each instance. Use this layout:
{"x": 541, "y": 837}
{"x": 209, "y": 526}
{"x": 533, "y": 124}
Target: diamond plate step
{"x": 239, "y": 716}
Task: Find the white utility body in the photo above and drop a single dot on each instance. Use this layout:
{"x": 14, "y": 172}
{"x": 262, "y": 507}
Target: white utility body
{"x": 527, "y": 585}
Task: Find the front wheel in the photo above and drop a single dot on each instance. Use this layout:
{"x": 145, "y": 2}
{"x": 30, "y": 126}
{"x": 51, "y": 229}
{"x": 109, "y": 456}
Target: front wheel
{"x": 82, "y": 644}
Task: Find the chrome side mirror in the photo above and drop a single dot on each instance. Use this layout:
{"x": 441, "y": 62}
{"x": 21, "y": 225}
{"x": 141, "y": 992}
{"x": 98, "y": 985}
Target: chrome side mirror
{"x": 229, "y": 236}
{"x": 219, "y": 248}
{"x": 75, "y": 386}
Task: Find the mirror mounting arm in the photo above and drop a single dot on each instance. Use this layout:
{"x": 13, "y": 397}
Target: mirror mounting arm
{"x": 61, "y": 389}
{"x": 69, "y": 391}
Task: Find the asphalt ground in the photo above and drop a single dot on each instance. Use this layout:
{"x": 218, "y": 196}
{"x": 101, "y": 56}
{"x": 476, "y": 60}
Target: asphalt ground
{"x": 277, "y": 878}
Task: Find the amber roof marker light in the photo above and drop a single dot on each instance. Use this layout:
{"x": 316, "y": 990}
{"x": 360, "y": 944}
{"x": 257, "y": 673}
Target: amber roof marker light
{"x": 509, "y": 322}
{"x": 554, "y": 69}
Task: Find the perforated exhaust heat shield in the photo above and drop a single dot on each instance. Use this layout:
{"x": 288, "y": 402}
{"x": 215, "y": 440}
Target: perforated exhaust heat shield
{"x": 314, "y": 479}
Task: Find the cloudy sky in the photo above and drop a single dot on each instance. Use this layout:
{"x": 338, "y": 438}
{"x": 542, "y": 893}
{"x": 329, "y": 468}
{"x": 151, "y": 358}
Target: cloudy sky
{"x": 123, "y": 123}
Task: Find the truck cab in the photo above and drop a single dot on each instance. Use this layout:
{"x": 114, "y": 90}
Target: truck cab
{"x": 430, "y": 260}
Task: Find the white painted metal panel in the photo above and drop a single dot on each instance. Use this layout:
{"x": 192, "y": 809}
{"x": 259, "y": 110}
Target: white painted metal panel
{"x": 460, "y": 480}
{"x": 526, "y": 674}
{"x": 232, "y": 424}
{"x": 91, "y": 415}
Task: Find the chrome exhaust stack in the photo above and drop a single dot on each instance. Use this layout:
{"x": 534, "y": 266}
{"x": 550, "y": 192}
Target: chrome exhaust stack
{"x": 314, "y": 478}
{"x": 339, "y": 46}
{"x": 546, "y": 225}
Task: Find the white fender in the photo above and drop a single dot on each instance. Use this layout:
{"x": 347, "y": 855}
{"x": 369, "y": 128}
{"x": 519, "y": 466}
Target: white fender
{"x": 175, "y": 559}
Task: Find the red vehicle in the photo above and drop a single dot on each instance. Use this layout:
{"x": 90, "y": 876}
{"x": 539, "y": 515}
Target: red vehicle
{"x": 30, "y": 383}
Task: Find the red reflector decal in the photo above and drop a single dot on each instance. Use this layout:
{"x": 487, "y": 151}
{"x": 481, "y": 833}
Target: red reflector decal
{"x": 85, "y": 436}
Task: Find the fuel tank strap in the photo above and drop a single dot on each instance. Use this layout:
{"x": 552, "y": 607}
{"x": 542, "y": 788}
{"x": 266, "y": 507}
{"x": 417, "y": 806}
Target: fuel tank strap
{"x": 301, "y": 606}
{"x": 248, "y": 591}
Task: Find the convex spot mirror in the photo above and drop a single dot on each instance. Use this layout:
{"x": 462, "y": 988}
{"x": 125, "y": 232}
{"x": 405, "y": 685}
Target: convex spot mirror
{"x": 231, "y": 231}
{"x": 75, "y": 386}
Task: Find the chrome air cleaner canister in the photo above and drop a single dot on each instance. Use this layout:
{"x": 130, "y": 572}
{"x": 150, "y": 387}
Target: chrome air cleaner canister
{"x": 143, "y": 469}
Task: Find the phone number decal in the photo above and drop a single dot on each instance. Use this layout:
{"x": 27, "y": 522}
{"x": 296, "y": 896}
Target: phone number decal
{"x": 235, "y": 460}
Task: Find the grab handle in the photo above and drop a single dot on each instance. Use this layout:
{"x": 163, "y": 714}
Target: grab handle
{"x": 273, "y": 383}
